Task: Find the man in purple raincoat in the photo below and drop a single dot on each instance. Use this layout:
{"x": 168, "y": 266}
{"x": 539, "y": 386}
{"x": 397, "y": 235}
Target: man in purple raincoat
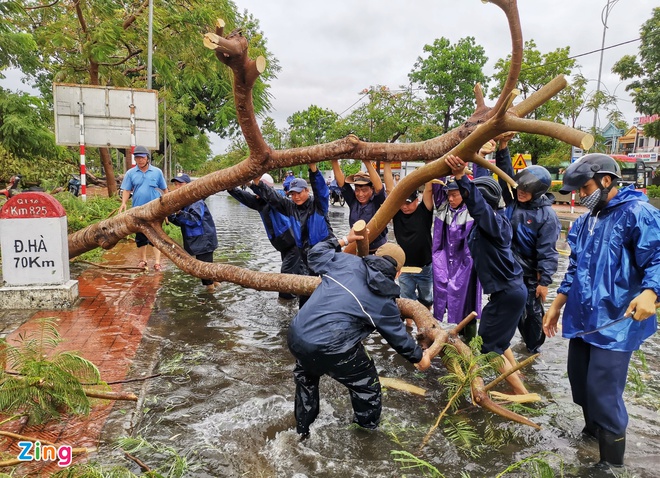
{"x": 455, "y": 285}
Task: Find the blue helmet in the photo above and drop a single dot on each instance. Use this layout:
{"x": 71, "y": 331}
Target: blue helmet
{"x": 490, "y": 190}
{"x": 586, "y": 168}
{"x": 535, "y": 180}
{"x": 451, "y": 186}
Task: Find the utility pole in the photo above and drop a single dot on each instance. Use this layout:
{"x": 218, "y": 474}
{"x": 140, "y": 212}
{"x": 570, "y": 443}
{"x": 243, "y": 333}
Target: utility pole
{"x": 150, "y": 41}
{"x": 603, "y": 18}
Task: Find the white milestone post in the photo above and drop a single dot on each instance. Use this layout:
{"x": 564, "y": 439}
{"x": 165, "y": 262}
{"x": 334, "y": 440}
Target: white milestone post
{"x": 83, "y": 167}
{"x": 35, "y": 254}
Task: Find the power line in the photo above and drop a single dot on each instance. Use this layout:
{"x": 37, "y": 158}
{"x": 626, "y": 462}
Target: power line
{"x": 581, "y": 54}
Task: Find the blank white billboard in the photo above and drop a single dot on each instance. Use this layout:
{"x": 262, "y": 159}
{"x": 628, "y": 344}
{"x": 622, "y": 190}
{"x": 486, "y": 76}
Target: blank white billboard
{"x": 107, "y": 115}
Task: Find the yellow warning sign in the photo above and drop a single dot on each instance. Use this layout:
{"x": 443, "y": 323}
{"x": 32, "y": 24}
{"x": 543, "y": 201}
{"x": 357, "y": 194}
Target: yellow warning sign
{"x": 518, "y": 161}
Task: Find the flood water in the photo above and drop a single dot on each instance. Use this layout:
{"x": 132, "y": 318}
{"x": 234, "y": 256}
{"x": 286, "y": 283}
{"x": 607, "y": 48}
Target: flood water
{"x": 225, "y": 396}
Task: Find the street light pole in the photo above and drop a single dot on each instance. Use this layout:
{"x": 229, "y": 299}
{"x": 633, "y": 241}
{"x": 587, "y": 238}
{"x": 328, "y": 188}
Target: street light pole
{"x": 150, "y": 43}
{"x": 603, "y": 18}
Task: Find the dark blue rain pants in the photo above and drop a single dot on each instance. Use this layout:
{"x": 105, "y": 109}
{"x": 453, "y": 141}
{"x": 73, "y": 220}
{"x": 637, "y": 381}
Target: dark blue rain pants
{"x": 531, "y": 322}
{"x": 354, "y": 369}
{"x": 500, "y": 317}
{"x": 598, "y": 378}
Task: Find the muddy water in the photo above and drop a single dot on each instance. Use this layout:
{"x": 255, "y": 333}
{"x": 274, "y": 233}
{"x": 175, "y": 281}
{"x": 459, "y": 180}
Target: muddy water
{"x": 225, "y": 399}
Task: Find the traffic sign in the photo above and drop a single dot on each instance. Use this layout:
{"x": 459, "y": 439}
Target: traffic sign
{"x": 518, "y": 161}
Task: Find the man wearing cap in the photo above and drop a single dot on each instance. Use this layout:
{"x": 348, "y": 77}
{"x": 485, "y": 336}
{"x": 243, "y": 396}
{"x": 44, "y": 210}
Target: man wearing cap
{"x": 146, "y": 183}
{"x": 278, "y": 229}
{"x": 610, "y": 292}
{"x": 412, "y": 229}
{"x": 200, "y": 237}
{"x": 368, "y": 197}
{"x": 308, "y": 214}
{"x": 356, "y": 296}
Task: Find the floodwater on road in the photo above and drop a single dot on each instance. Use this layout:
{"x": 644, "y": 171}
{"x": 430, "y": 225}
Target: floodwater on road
{"x": 225, "y": 396}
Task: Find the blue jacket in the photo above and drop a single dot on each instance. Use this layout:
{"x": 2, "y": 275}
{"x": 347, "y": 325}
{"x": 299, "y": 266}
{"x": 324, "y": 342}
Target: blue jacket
{"x": 309, "y": 221}
{"x": 197, "y": 228}
{"x": 277, "y": 225}
{"x": 614, "y": 257}
{"x": 536, "y": 229}
{"x": 489, "y": 241}
{"x": 356, "y": 296}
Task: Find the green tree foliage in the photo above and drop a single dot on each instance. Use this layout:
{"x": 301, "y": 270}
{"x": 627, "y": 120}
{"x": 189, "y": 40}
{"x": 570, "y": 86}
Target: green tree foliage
{"x": 448, "y": 74}
{"x": 386, "y": 117}
{"x": 537, "y": 70}
{"x": 645, "y": 72}
{"x": 105, "y": 43}
{"x": 44, "y": 387}
{"x": 310, "y": 126}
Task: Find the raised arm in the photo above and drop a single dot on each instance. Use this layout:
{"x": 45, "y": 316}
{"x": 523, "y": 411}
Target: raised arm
{"x": 427, "y": 196}
{"x": 387, "y": 176}
{"x": 374, "y": 176}
{"x": 339, "y": 174}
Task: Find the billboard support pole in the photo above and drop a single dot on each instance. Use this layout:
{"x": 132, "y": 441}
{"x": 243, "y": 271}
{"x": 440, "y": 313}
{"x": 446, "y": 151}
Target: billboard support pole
{"x": 132, "y": 120}
{"x": 83, "y": 171}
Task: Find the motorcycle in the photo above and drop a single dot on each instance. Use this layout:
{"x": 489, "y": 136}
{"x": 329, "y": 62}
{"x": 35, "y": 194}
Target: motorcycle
{"x": 74, "y": 185}
{"x": 12, "y": 187}
{"x": 336, "y": 196}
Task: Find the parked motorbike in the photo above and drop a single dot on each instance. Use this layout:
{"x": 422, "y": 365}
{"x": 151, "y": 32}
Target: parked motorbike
{"x": 336, "y": 196}
{"x": 12, "y": 187}
{"x": 74, "y": 185}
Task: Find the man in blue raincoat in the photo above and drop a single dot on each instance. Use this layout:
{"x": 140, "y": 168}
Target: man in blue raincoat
{"x": 356, "y": 296}
{"x": 610, "y": 291}
{"x": 200, "y": 237}
{"x": 308, "y": 214}
{"x": 278, "y": 229}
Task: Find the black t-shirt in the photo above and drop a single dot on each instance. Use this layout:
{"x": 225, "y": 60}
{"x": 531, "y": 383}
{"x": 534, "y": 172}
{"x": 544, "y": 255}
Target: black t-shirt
{"x": 413, "y": 234}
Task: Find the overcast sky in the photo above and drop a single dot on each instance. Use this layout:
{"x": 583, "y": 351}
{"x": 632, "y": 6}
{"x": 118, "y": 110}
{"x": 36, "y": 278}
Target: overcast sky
{"x": 330, "y": 51}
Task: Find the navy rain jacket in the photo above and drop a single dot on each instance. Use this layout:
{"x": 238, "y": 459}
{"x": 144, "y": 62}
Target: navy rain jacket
{"x": 309, "y": 221}
{"x": 277, "y": 225}
{"x": 536, "y": 229}
{"x": 489, "y": 241}
{"x": 197, "y": 228}
{"x": 356, "y": 296}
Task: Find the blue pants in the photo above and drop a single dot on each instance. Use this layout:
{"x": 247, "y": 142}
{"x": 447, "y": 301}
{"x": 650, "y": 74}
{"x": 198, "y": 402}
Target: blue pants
{"x": 353, "y": 369}
{"x": 531, "y": 321}
{"x": 500, "y": 317}
{"x": 598, "y": 378}
{"x": 418, "y": 286}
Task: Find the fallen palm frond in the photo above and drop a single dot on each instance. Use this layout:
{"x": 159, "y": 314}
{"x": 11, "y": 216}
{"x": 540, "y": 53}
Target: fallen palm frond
{"x": 401, "y": 385}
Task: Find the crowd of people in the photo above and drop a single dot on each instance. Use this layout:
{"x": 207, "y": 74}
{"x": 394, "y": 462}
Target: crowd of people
{"x": 467, "y": 236}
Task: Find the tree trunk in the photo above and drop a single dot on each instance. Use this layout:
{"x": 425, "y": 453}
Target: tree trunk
{"x": 106, "y": 161}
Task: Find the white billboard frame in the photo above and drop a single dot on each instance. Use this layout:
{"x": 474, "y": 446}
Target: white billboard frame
{"x": 111, "y": 116}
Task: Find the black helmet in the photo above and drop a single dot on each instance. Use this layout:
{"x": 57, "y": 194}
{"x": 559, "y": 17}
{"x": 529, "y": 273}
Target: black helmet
{"x": 535, "y": 180}
{"x": 586, "y": 168}
{"x": 451, "y": 186}
{"x": 141, "y": 151}
{"x": 490, "y": 190}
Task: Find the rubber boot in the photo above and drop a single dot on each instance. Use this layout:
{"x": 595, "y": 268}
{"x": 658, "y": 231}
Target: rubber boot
{"x": 590, "y": 430}
{"x": 612, "y": 448}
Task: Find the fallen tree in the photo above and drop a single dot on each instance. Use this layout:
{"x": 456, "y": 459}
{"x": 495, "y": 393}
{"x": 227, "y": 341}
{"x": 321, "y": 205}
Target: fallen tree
{"x": 464, "y": 141}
